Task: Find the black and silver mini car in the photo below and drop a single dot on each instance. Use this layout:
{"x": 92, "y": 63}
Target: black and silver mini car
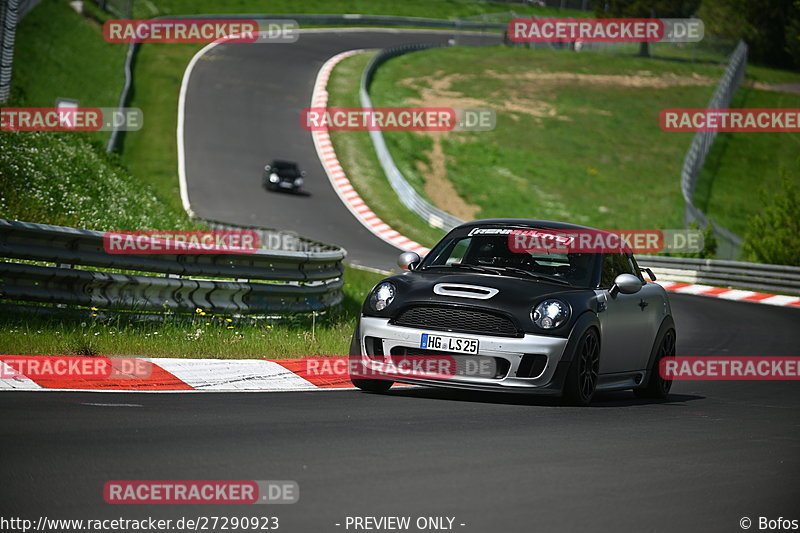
{"x": 515, "y": 320}
{"x": 283, "y": 175}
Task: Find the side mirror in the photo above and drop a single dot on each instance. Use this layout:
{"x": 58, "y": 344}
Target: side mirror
{"x": 267, "y": 168}
{"x": 408, "y": 260}
{"x": 302, "y": 172}
{"x": 649, "y": 273}
{"x": 625, "y": 284}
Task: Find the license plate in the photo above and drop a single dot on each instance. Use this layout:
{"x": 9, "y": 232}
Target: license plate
{"x": 285, "y": 185}
{"x": 449, "y": 344}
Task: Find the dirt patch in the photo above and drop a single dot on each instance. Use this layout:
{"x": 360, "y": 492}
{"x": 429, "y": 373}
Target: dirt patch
{"x": 640, "y": 79}
{"x": 792, "y": 88}
{"x": 439, "y": 188}
{"x": 539, "y": 87}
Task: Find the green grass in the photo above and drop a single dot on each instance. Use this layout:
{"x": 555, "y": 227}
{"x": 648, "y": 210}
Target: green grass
{"x": 204, "y": 336}
{"x": 61, "y": 178}
{"x": 743, "y": 169}
{"x": 60, "y": 54}
{"x": 151, "y": 153}
{"x": 595, "y": 156}
{"x": 444, "y": 9}
{"x": 356, "y": 154}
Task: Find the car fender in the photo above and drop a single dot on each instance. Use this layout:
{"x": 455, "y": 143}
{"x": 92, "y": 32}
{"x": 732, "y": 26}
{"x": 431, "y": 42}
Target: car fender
{"x": 666, "y": 325}
{"x": 586, "y": 320}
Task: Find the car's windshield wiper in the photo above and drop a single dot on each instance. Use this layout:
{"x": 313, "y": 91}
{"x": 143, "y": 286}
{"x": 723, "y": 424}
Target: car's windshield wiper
{"x": 534, "y": 275}
{"x": 486, "y": 270}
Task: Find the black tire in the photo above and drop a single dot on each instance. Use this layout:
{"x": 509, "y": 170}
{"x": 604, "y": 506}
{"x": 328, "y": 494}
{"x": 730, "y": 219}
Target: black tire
{"x": 584, "y": 370}
{"x": 372, "y": 385}
{"x": 657, "y": 387}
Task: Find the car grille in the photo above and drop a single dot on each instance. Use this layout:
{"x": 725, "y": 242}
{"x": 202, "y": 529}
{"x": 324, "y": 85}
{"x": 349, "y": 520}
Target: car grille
{"x": 457, "y": 320}
{"x": 502, "y": 366}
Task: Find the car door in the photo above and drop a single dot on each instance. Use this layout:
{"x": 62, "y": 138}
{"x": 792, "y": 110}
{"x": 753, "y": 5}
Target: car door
{"x": 626, "y": 323}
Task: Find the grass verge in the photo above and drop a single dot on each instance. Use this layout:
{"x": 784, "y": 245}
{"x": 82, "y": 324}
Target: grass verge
{"x": 743, "y": 169}
{"x": 62, "y": 179}
{"x": 204, "y": 336}
{"x": 60, "y": 53}
{"x": 443, "y": 9}
{"x": 577, "y": 135}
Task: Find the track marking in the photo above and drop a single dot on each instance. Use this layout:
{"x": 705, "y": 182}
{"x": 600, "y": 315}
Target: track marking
{"x": 336, "y": 175}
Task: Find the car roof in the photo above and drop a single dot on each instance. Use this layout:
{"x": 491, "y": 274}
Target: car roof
{"x": 283, "y": 163}
{"x": 525, "y": 222}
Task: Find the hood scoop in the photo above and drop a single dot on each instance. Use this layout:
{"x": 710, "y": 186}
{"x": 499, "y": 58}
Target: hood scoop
{"x": 464, "y": 291}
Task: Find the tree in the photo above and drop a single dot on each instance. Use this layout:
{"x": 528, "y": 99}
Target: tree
{"x": 645, "y": 9}
{"x": 770, "y": 27}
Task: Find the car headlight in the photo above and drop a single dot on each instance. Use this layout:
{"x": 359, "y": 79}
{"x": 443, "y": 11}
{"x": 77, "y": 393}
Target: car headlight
{"x": 273, "y": 178}
{"x": 382, "y": 296}
{"x": 551, "y": 314}
{"x": 298, "y": 182}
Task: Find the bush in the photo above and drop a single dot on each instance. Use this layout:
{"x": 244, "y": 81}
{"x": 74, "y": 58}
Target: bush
{"x": 62, "y": 179}
{"x": 774, "y": 233}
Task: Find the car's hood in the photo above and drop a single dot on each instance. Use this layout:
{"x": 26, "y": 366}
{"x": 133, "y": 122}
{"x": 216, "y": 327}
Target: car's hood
{"x": 510, "y": 290}
{"x": 509, "y": 295}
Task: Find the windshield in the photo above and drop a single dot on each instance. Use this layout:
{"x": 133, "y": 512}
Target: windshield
{"x": 492, "y": 254}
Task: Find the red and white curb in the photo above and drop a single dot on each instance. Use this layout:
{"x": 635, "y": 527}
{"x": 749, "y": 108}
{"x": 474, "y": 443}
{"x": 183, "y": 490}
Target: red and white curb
{"x": 182, "y": 375}
{"x": 731, "y": 294}
{"x": 337, "y": 177}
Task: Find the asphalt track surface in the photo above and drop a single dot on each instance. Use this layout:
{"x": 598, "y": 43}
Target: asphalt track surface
{"x": 713, "y": 453}
{"x": 243, "y": 106}
{"x": 710, "y": 455}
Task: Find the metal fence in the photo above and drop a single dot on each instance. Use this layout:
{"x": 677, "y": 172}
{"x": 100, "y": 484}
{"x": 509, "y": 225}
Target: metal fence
{"x": 405, "y": 192}
{"x": 266, "y": 281}
{"x": 721, "y": 273}
{"x": 729, "y": 243}
{"x": 9, "y": 14}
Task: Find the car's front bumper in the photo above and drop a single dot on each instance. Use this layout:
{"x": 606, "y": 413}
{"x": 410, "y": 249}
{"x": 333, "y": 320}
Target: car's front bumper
{"x": 508, "y": 351}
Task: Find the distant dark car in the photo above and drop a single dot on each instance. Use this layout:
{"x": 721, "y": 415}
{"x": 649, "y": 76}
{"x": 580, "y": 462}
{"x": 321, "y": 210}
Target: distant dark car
{"x": 283, "y": 175}
{"x": 547, "y": 323}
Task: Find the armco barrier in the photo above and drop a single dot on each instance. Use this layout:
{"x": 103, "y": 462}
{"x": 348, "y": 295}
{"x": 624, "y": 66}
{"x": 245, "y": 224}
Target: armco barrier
{"x": 720, "y": 273}
{"x": 266, "y": 281}
{"x": 405, "y": 192}
{"x": 9, "y": 16}
{"x": 729, "y": 243}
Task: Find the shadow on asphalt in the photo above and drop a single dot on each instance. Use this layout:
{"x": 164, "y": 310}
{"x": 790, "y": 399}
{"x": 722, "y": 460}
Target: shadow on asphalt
{"x": 289, "y": 192}
{"x": 602, "y": 399}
